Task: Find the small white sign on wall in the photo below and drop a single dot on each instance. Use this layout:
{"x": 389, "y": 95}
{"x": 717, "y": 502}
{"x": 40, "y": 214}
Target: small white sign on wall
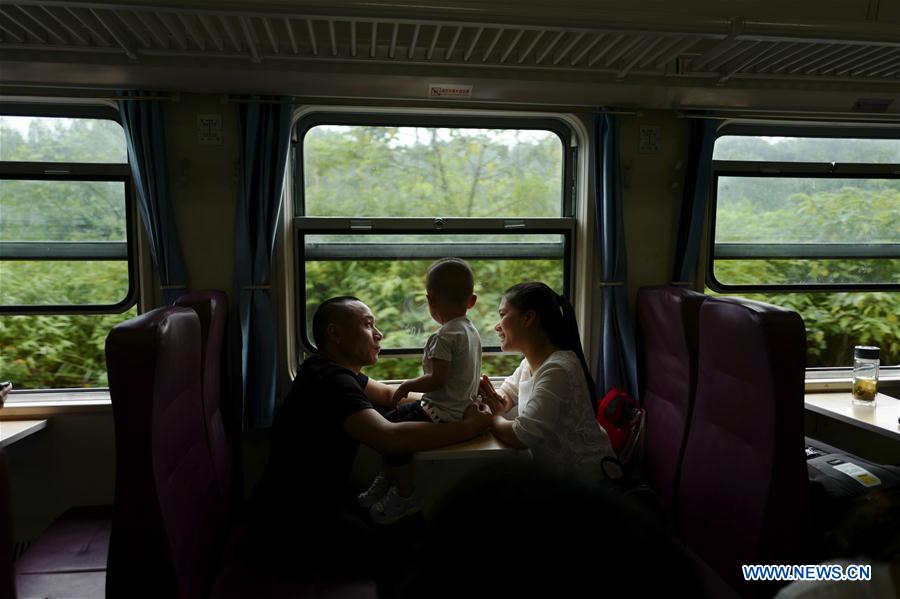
{"x": 442, "y": 90}
{"x": 649, "y": 139}
{"x": 209, "y": 129}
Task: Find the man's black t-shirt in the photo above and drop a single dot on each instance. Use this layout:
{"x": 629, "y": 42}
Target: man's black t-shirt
{"x": 311, "y": 456}
{"x": 302, "y": 518}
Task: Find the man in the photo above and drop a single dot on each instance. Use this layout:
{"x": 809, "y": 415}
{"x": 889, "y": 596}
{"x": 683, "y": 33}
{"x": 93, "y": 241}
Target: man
{"x": 302, "y": 505}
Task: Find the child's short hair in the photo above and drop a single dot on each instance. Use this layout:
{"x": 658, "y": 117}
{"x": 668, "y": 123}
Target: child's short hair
{"x": 450, "y": 278}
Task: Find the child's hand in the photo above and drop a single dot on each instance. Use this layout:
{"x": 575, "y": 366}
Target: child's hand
{"x": 399, "y": 394}
{"x": 479, "y": 416}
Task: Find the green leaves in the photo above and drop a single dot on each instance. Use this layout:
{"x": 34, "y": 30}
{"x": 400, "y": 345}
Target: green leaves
{"x": 395, "y": 291}
{"x": 45, "y": 352}
{"x": 60, "y": 351}
{"x": 409, "y": 171}
{"x": 52, "y": 139}
{"x": 59, "y": 282}
{"x": 835, "y": 322}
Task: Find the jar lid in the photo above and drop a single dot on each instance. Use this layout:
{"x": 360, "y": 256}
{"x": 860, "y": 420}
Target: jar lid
{"x": 866, "y": 351}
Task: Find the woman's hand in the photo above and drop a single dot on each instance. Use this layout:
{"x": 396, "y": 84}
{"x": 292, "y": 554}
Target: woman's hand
{"x": 498, "y": 404}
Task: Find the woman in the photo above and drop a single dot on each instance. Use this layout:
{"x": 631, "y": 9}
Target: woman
{"x": 552, "y": 387}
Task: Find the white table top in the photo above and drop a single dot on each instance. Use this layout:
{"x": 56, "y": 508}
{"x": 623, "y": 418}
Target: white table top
{"x": 881, "y": 419}
{"x": 16, "y": 430}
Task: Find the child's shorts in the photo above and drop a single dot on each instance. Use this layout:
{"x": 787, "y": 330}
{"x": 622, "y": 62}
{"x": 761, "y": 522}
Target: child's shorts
{"x": 409, "y": 412}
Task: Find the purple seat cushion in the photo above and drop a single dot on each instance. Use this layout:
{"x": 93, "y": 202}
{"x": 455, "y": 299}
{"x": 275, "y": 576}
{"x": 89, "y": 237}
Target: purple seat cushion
{"x": 77, "y": 541}
{"x": 212, "y": 308}
{"x": 743, "y": 490}
{"x": 668, "y": 319}
{"x": 169, "y": 512}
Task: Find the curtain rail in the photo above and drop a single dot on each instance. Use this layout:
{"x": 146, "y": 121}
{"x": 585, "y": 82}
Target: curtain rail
{"x": 81, "y": 94}
{"x": 726, "y": 114}
{"x": 472, "y": 103}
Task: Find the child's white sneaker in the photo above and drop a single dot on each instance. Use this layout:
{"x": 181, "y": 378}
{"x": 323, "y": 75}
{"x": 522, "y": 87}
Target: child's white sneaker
{"x": 375, "y": 493}
{"x": 393, "y": 507}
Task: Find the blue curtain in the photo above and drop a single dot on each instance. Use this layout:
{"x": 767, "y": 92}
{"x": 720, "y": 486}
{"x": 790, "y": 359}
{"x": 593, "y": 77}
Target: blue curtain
{"x": 264, "y": 137}
{"x": 618, "y": 365}
{"x": 146, "y": 140}
{"x": 693, "y": 204}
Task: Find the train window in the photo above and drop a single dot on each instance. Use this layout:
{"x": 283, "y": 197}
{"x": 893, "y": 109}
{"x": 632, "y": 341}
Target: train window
{"x": 65, "y": 252}
{"x": 809, "y": 218}
{"x": 378, "y": 198}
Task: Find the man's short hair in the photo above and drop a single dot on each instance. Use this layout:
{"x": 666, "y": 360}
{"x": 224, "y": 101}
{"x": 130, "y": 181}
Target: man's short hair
{"x": 450, "y": 278}
{"x": 329, "y": 312}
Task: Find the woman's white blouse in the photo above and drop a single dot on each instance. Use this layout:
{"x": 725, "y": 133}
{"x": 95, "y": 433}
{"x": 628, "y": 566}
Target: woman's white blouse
{"x": 555, "y": 420}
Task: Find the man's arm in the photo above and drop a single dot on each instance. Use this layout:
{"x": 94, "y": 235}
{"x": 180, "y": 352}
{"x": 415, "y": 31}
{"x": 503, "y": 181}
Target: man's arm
{"x": 425, "y": 383}
{"x": 370, "y": 428}
{"x": 379, "y": 393}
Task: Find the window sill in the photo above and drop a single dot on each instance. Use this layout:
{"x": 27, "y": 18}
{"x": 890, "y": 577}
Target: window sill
{"x": 842, "y": 379}
{"x": 47, "y": 402}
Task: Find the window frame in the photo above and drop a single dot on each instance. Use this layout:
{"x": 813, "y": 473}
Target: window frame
{"x": 301, "y": 225}
{"x": 74, "y": 250}
{"x": 776, "y": 170}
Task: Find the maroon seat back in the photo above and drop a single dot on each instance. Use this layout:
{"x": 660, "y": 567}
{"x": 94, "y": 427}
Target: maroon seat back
{"x": 212, "y": 309}
{"x": 7, "y": 581}
{"x": 168, "y": 515}
{"x": 668, "y": 318}
{"x": 743, "y": 489}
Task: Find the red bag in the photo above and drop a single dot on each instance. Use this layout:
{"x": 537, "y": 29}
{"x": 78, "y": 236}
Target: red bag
{"x": 622, "y": 418}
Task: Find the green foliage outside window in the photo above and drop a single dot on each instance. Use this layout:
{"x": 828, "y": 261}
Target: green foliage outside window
{"x": 785, "y": 209}
{"x": 45, "y": 352}
{"x": 50, "y": 352}
{"x": 60, "y": 351}
{"x": 388, "y": 171}
{"x": 836, "y": 321}
{"x": 395, "y": 291}
{"x": 51, "y": 139}
{"x": 68, "y": 351}
{"x": 62, "y": 210}
{"x": 416, "y": 171}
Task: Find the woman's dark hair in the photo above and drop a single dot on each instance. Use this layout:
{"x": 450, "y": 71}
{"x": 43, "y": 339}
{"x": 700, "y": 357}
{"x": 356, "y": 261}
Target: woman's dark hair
{"x": 557, "y": 319}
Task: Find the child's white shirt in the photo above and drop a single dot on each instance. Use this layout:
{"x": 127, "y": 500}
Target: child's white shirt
{"x": 459, "y": 343}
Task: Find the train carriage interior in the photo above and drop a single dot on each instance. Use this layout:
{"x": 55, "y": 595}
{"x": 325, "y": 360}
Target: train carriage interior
{"x": 714, "y": 187}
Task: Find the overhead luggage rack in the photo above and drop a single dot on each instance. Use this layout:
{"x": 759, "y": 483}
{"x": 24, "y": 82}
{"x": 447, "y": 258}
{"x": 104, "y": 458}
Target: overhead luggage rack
{"x": 715, "y": 51}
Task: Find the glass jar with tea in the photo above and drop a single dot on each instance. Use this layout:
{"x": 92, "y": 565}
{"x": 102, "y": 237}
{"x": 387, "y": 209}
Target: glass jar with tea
{"x": 865, "y": 374}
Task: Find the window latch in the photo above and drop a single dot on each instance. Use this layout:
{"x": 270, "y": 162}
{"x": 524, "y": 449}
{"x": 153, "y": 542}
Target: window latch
{"x": 360, "y": 225}
{"x": 514, "y": 224}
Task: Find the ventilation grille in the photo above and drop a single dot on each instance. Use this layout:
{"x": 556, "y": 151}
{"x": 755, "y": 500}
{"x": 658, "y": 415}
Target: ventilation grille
{"x": 717, "y": 51}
